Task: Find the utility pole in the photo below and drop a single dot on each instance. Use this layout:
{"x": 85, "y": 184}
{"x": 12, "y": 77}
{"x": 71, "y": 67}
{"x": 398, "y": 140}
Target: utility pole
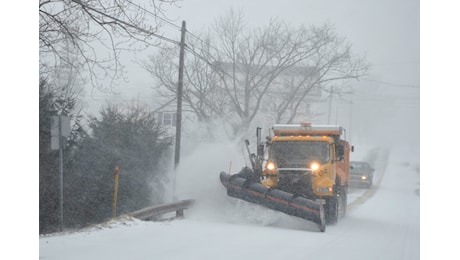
{"x": 61, "y": 177}
{"x": 330, "y": 108}
{"x": 180, "y": 84}
{"x": 179, "y": 96}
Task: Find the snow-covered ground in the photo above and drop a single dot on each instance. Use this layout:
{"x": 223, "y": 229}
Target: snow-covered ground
{"x": 381, "y": 223}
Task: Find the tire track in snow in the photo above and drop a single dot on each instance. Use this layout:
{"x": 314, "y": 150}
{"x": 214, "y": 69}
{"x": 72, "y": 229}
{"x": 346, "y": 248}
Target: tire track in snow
{"x": 384, "y": 157}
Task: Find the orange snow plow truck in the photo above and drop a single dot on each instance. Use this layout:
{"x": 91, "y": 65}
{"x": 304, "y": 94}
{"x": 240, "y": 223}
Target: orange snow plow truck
{"x": 302, "y": 170}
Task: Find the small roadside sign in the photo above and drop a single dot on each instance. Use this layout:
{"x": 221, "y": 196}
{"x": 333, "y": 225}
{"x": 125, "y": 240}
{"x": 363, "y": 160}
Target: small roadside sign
{"x": 64, "y": 122}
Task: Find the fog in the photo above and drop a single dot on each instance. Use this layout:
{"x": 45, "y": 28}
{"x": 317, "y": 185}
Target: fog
{"x": 385, "y": 104}
{"x": 383, "y": 111}
{"x": 381, "y": 223}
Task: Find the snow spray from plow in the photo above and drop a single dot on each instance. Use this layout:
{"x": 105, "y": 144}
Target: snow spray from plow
{"x": 254, "y": 192}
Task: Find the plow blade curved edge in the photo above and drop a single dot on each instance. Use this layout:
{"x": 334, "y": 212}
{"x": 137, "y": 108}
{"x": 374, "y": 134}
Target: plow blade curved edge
{"x": 254, "y": 192}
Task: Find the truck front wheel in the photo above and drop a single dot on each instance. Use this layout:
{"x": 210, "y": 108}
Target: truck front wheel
{"x": 332, "y": 210}
{"x": 343, "y": 199}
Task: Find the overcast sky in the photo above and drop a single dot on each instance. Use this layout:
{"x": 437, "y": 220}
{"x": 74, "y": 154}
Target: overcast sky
{"x": 388, "y": 31}
{"x": 439, "y": 73}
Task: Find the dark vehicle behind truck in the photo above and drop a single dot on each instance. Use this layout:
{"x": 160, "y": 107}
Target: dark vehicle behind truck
{"x": 361, "y": 174}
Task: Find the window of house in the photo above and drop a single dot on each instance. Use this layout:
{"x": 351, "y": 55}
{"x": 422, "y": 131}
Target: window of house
{"x": 168, "y": 118}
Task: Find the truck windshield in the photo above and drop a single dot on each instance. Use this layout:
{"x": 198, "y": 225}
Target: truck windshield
{"x": 289, "y": 154}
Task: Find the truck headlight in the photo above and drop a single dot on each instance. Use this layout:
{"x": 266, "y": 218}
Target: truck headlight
{"x": 270, "y": 166}
{"x": 314, "y": 166}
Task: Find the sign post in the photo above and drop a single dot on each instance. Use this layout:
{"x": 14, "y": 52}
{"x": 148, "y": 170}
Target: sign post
{"x": 60, "y": 129}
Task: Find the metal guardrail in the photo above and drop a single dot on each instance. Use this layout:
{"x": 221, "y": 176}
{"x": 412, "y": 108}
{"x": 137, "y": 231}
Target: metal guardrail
{"x": 153, "y": 212}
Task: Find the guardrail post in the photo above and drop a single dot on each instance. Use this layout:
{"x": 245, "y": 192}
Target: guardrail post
{"x": 115, "y": 192}
{"x": 180, "y": 213}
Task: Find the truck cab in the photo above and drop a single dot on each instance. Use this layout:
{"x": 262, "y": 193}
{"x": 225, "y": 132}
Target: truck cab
{"x": 311, "y": 161}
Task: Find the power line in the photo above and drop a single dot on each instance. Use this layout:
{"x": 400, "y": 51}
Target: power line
{"x": 396, "y": 63}
{"x": 207, "y": 44}
{"x": 192, "y": 51}
{"x": 165, "y": 38}
{"x": 174, "y": 26}
{"x": 155, "y": 15}
{"x": 145, "y": 30}
{"x": 125, "y": 23}
{"x": 178, "y": 43}
{"x": 392, "y": 84}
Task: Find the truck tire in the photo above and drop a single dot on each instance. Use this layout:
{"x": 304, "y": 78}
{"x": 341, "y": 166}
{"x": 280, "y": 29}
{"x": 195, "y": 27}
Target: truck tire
{"x": 344, "y": 202}
{"x": 332, "y": 210}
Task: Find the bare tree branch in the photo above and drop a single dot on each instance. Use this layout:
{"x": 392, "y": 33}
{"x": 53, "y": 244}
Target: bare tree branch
{"x": 93, "y": 25}
{"x": 237, "y": 72}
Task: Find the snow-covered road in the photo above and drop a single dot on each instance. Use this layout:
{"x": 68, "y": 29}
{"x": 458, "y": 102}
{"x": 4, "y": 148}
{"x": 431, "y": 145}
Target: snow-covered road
{"x": 385, "y": 225}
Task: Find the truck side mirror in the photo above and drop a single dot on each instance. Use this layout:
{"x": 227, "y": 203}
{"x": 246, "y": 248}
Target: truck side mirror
{"x": 340, "y": 152}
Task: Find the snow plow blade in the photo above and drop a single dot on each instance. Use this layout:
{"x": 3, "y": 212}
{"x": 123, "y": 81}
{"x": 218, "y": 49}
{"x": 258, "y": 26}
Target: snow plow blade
{"x": 254, "y": 192}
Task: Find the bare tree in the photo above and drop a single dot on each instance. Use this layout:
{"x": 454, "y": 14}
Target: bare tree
{"x": 96, "y": 31}
{"x": 201, "y": 94}
{"x": 251, "y": 60}
{"x": 236, "y": 72}
{"x": 332, "y": 63}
